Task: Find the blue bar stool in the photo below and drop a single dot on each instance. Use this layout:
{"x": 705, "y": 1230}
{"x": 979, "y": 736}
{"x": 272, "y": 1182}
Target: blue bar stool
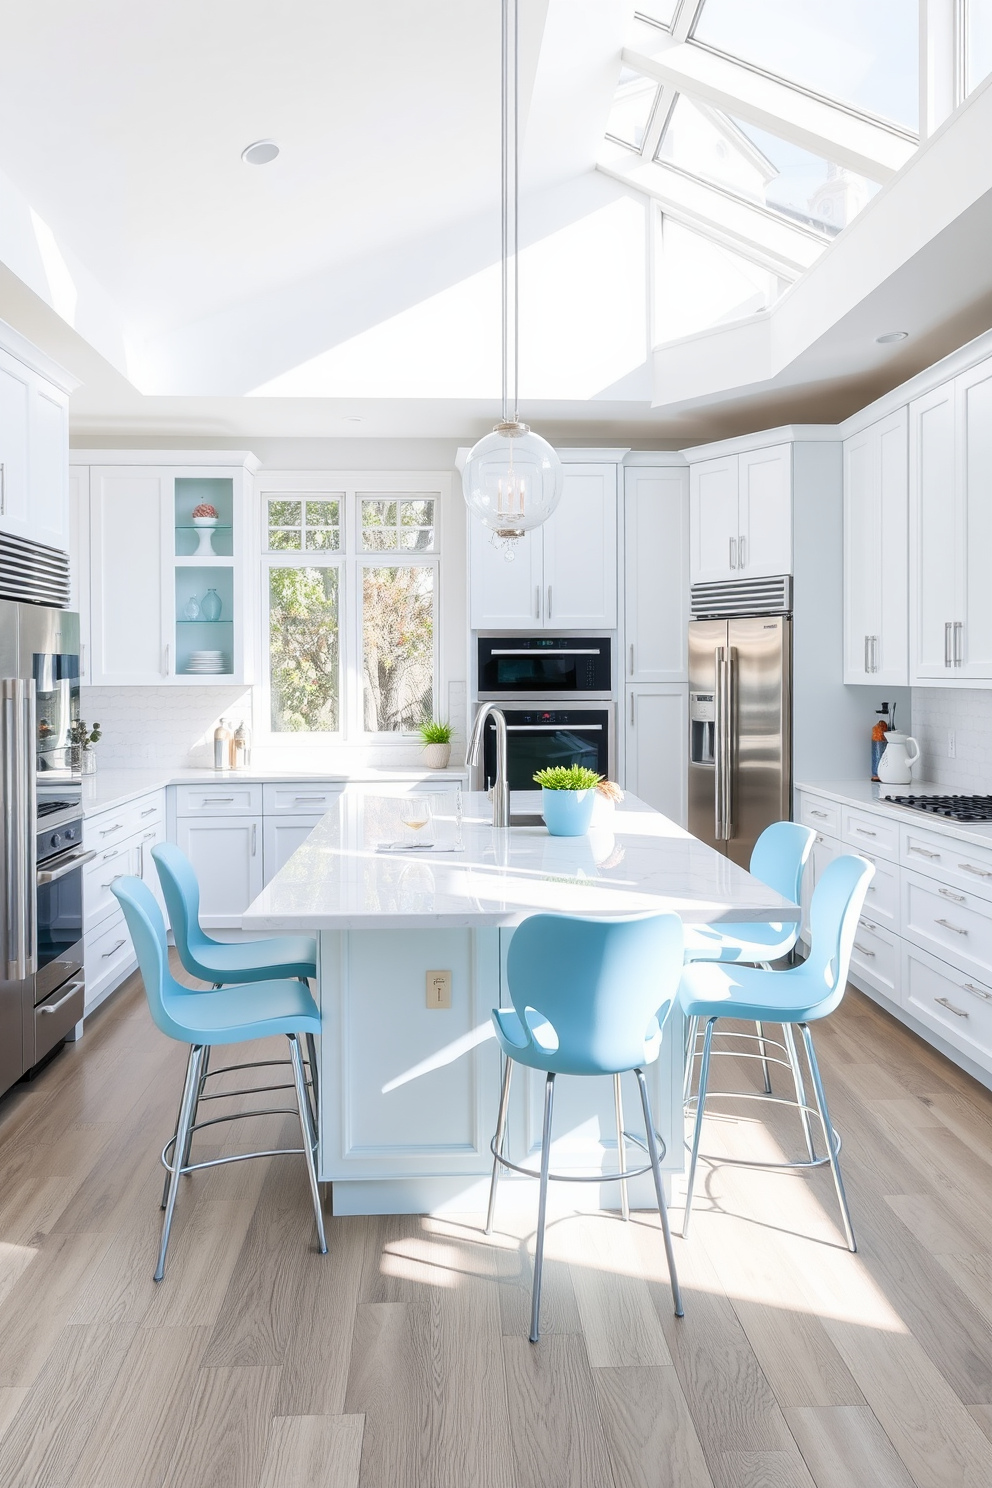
{"x": 590, "y": 997}
{"x": 202, "y": 1019}
{"x": 799, "y": 995}
{"x": 222, "y": 963}
{"x": 779, "y": 859}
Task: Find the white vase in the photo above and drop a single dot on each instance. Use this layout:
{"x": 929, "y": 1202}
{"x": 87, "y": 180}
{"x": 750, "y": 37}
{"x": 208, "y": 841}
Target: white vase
{"x": 205, "y": 531}
{"x": 436, "y": 756}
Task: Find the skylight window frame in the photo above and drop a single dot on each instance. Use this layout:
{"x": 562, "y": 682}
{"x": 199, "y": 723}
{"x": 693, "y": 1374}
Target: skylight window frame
{"x": 900, "y": 131}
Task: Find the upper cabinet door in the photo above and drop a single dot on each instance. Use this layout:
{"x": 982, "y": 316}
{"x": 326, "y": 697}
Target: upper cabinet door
{"x": 862, "y": 539}
{"x": 15, "y": 399}
{"x": 714, "y": 530}
{"x": 764, "y": 544}
{"x": 49, "y": 469}
{"x": 876, "y": 526}
{"x": 507, "y": 587}
{"x": 130, "y": 509}
{"x": 973, "y": 637}
{"x": 934, "y": 537}
{"x": 79, "y": 562}
{"x": 656, "y": 573}
{"x": 580, "y": 551}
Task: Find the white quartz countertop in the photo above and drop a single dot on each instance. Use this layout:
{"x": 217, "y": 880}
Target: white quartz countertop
{"x": 108, "y": 789}
{"x": 869, "y": 797}
{"x": 641, "y": 862}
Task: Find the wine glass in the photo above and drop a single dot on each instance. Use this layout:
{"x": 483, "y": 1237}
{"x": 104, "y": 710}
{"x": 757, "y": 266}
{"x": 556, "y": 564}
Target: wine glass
{"x": 417, "y": 817}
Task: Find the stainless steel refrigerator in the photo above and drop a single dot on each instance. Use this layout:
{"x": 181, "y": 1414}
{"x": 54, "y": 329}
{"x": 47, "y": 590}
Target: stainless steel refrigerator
{"x": 39, "y": 697}
{"x": 740, "y": 734}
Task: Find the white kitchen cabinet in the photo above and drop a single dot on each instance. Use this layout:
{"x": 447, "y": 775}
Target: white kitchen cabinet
{"x": 656, "y": 729}
{"x": 281, "y": 836}
{"x": 128, "y": 603}
{"x": 562, "y": 576}
{"x": 79, "y": 561}
{"x": 876, "y": 535}
{"x": 951, "y": 531}
{"x": 741, "y": 515}
{"x": 580, "y": 551}
{"x": 656, "y": 573}
{"x": 823, "y": 851}
{"x": 226, "y": 854}
{"x": 34, "y": 455}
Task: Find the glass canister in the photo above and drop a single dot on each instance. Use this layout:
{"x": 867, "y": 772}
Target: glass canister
{"x": 223, "y": 739}
{"x": 211, "y": 607}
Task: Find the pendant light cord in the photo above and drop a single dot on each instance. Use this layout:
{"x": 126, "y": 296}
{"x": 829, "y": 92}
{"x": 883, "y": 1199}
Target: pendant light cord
{"x": 509, "y": 184}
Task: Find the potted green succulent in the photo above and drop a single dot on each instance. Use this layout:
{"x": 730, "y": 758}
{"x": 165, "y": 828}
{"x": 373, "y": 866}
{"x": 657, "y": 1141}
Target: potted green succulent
{"x": 436, "y": 739}
{"x": 82, "y": 755}
{"x": 568, "y": 797}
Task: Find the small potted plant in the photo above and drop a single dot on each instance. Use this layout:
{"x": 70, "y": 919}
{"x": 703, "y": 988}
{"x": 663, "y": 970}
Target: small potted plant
{"x": 568, "y": 797}
{"x": 82, "y": 755}
{"x": 436, "y": 739}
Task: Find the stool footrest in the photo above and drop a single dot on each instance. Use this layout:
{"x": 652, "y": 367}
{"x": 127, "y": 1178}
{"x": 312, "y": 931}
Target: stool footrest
{"x": 584, "y": 1177}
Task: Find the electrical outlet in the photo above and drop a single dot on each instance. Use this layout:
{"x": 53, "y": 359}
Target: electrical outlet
{"x": 952, "y": 747}
{"x": 439, "y": 989}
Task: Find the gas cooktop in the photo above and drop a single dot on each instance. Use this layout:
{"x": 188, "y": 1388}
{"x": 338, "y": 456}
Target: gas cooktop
{"x": 45, "y": 808}
{"x": 954, "y": 808}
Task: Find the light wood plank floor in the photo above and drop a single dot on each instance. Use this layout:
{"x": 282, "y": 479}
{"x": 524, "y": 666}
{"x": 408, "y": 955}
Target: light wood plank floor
{"x": 402, "y": 1358}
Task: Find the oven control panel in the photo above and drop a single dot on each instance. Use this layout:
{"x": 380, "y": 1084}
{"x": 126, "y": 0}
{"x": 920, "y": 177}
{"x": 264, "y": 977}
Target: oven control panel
{"x": 55, "y": 840}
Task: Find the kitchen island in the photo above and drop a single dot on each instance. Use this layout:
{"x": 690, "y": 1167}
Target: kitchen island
{"x": 409, "y": 1091}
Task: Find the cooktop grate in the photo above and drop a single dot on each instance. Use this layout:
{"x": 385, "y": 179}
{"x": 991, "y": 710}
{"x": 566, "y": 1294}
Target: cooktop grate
{"x": 954, "y": 808}
{"x": 46, "y": 808}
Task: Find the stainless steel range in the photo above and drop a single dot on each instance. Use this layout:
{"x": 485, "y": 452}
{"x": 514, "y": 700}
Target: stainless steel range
{"x": 951, "y": 808}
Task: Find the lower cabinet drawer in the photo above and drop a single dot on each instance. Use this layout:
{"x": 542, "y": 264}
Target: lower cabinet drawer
{"x": 875, "y": 957}
{"x": 947, "y": 922}
{"x": 871, "y": 832}
{"x": 98, "y": 901}
{"x": 54, "y": 1017}
{"x": 107, "y": 955}
{"x": 882, "y": 899}
{"x": 819, "y": 813}
{"x": 226, "y": 798}
{"x": 955, "y": 1004}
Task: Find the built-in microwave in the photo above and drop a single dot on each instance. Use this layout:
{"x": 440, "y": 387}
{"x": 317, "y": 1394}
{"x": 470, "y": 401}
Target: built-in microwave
{"x": 542, "y": 667}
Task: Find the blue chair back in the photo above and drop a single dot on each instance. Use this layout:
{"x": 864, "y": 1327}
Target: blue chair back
{"x": 780, "y": 856}
{"x": 604, "y": 986}
{"x": 147, "y": 929}
{"x": 837, "y": 902}
{"x": 182, "y": 898}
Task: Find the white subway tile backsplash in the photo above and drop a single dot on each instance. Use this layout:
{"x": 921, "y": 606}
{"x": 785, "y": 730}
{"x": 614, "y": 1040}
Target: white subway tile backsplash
{"x": 161, "y": 726}
{"x": 967, "y": 713}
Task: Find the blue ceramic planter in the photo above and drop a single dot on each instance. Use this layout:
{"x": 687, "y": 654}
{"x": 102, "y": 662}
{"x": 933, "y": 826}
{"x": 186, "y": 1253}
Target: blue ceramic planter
{"x": 567, "y": 813}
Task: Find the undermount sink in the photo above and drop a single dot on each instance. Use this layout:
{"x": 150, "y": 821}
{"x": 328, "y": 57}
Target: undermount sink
{"x": 526, "y": 819}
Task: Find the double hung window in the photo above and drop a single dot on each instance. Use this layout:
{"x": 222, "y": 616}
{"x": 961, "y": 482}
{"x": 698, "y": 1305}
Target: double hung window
{"x": 350, "y": 580}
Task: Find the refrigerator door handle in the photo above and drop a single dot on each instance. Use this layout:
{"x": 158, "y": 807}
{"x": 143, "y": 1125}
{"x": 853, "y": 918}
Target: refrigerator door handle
{"x": 721, "y": 752}
{"x": 20, "y": 913}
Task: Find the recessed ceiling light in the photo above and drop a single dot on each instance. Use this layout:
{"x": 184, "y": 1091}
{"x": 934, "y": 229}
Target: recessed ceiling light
{"x": 260, "y": 153}
{"x": 891, "y": 336}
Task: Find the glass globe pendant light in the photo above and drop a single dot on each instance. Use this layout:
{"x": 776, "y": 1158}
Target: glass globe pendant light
{"x": 512, "y": 478}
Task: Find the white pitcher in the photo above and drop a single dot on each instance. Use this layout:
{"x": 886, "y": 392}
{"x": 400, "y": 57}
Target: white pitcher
{"x": 896, "y": 765}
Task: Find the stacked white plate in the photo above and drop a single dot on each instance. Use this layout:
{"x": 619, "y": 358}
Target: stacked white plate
{"x": 206, "y": 663}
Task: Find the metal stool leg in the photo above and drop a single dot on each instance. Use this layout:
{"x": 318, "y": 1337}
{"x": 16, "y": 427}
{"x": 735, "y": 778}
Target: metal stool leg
{"x": 621, "y": 1150}
{"x": 764, "y": 1058}
{"x": 797, "y": 1075}
{"x": 704, "y": 1075}
{"x": 309, "y": 1135}
{"x": 175, "y": 1144}
{"x": 830, "y": 1135}
{"x": 504, "y": 1104}
{"x": 190, "y": 1090}
{"x": 690, "y": 1057}
{"x": 542, "y": 1210}
{"x": 659, "y": 1189}
{"x": 314, "y": 1087}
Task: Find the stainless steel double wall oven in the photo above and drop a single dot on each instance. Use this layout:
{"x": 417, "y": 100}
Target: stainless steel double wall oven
{"x": 556, "y": 693}
{"x": 41, "y": 854}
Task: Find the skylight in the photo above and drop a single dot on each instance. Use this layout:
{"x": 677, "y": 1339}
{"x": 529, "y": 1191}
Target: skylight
{"x": 979, "y": 33}
{"x": 661, "y": 12}
{"x": 863, "y": 54}
{"x": 631, "y": 108}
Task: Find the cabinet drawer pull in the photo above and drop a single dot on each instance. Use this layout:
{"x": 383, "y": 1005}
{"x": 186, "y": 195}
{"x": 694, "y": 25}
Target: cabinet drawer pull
{"x": 948, "y": 926}
{"x": 865, "y": 832}
{"x": 957, "y": 898}
{"x": 958, "y": 1012}
{"x": 978, "y": 991}
{"x": 867, "y": 653}
{"x": 864, "y": 950}
{"x": 978, "y": 872}
{"x": 113, "y": 949}
{"x": 821, "y": 814}
{"x": 869, "y": 859}
{"x": 537, "y": 602}
{"x": 254, "y": 837}
{"x": 923, "y": 853}
{"x": 110, "y": 881}
{"x": 867, "y": 924}
{"x": 150, "y": 812}
{"x": 105, "y": 831}
{"x": 631, "y": 658}
{"x": 316, "y": 800}
{"x": 549, "y": 601}
{"x": 110, "y": 853}
{"x": 217, "y": 801}
{"x": 741, "y": 551}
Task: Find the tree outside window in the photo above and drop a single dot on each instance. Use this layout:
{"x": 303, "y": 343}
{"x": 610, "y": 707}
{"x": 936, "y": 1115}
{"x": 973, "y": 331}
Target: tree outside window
{"x": 397, "y": 647}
